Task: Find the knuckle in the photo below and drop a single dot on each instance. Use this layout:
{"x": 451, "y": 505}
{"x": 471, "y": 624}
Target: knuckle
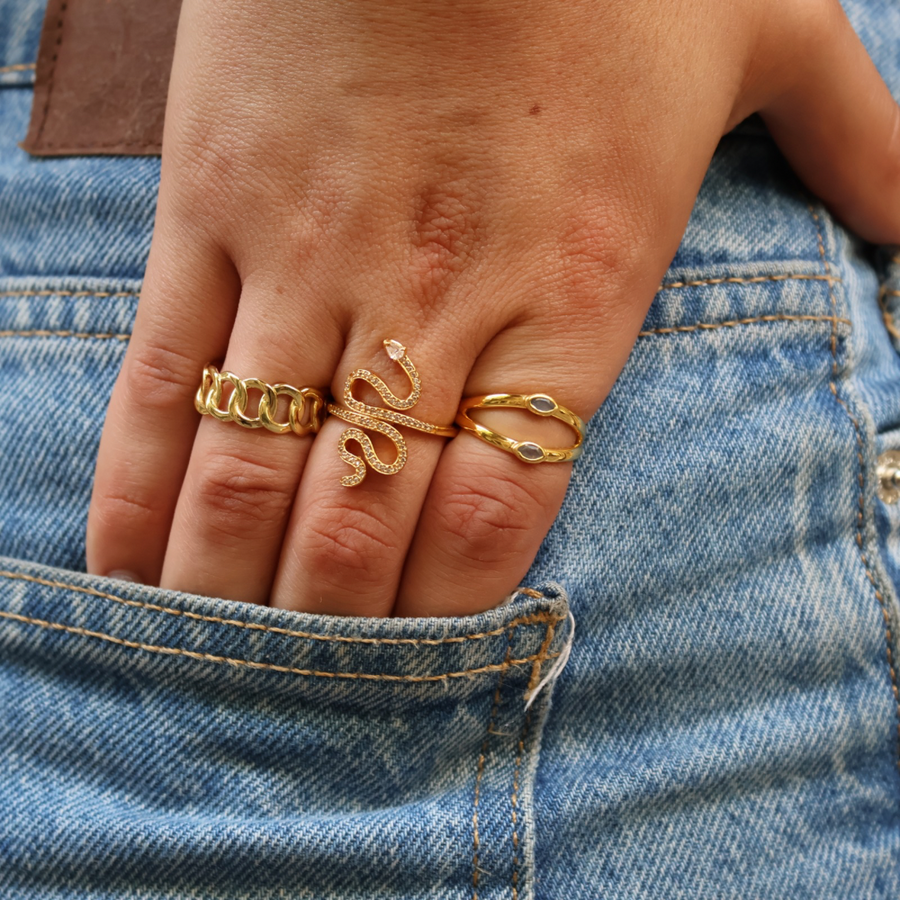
{"x": 597, "y": 250}
{"x": 447, "y": 227}
{"x": 234, "y": 493}
{"x": 121, "y": 510}
{"x": 349, "y": 545}
{"x": 218, "y": 170}
{"x": 159, "y": 377}
{"x": 488, "y": 521}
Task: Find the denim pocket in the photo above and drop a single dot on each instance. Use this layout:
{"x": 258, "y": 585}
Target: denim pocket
{"x": 157, "y": 743}
{"x": 164, "y": 744}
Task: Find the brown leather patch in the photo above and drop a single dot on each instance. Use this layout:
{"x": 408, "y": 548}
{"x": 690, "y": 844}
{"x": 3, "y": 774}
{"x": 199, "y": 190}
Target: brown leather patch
{"x": 102, "y": 76}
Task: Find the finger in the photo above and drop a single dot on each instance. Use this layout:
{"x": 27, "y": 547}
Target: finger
{"x": 240, "y": 484}
{"x": 183, "y": 320}
{"x": 487, "y": 511}
{"x": 345, "y": 546}
{"x": 835, "y": 120}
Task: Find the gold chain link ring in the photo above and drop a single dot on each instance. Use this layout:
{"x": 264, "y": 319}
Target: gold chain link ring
{"x": 305, "y": 413}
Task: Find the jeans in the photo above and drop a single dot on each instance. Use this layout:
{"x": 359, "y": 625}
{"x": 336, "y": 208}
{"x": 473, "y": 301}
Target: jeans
{"x": 723, "y": 572}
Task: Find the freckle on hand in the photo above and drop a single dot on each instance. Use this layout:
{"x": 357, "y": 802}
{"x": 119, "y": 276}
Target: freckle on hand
{"x": 535, "y": 110}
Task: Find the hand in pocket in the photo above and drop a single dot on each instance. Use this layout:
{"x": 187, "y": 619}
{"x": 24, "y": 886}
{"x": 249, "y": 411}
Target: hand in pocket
{"x": 498, "y": 187}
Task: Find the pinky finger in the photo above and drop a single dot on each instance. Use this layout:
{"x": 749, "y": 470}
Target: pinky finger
{"x": 151, "y": 421}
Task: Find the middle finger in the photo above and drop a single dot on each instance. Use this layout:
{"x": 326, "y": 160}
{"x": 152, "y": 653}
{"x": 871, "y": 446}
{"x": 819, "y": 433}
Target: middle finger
{"x": 345, "y": 545}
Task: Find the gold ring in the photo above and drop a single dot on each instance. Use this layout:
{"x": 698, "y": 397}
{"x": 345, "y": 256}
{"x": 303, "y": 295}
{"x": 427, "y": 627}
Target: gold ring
{"x": 373, "y": 418}
{"x": 527, "y": 451}
{"x": 305, "y": 413}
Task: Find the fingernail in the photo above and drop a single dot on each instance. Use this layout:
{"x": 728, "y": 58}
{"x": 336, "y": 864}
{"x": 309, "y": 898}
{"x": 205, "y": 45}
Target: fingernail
{"x": 122, "y": 575}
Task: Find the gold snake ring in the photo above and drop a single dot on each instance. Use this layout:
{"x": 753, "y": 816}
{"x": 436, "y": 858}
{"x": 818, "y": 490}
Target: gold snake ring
{"x": 373, "y": 418}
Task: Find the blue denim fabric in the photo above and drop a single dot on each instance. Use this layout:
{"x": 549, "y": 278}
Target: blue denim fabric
{"x": 726, "y": 726}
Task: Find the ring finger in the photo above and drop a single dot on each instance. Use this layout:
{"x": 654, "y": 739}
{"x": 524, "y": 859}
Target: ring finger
{"x": 487, "y": 511}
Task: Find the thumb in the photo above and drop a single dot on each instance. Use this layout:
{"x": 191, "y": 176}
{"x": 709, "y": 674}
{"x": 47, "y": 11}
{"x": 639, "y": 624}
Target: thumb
{"x": 835, "y": 120}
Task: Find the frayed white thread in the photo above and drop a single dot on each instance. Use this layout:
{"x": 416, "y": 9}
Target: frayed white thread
{"x": 558, "y": 666}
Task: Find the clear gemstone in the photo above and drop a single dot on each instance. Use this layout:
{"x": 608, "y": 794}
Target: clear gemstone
{"x": 542, "y": 404}
{"x": 395, "y": 349}
{"x": 530, "y": 452}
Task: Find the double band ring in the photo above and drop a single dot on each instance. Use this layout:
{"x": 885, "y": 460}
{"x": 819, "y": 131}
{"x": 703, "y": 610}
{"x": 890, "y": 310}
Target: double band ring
{"x": 308, "y": 408}
{"x": 527, "y": 451}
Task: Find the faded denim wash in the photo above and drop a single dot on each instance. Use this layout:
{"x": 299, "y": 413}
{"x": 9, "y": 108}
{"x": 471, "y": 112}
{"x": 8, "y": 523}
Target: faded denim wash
{"x": 727, "y": 723}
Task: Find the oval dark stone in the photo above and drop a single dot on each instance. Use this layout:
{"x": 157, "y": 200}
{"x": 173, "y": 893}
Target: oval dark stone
{"x": 530, "y": 451}
{"x": 542, "y": 404}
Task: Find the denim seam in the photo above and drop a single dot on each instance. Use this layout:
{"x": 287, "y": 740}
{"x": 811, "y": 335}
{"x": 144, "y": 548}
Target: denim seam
{"x": 18, "y": 67}
{"x": 495, "y": 706}
{"x": 542, "y": 655}
{"x": 60, "y": 25}
{"x": 860, "y": 515}
{"x": 535, "y": 658}
{"x": 532, "y": 619}
{"x": 674, "y": 285}
{"x": 76, "y": 334}
{"x": 62, "y": 293}
{"x": 750, "y": 320}
{"x": 753, "y": 279}
{"x": 514, "y": 801}
{"x": 673, "y": 329}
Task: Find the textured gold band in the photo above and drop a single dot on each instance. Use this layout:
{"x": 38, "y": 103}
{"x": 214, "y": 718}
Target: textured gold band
{"x": 527, "y": 451}
{"x": 305, "y": 413}
{"x": 308, "y": 409}
{"x": 374, "y": 418}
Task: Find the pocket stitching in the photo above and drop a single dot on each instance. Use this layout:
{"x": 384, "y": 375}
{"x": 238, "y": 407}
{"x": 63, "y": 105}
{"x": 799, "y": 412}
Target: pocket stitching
{"x": 495, "y": 706}
{"x": 42, "y": 332}
{"x": 750, "y": 320}
{"x": 861, "y": 537}
{"x": 16, "y": 67}
{"x": 536, "y": 659}
{"x": 532, "y": 619}
{"x": 752, "y": 279}
{"x": 520, "y": 752}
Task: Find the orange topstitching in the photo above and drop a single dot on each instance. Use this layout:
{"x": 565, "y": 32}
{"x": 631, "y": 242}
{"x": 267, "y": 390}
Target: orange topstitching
{"x": 675, "y": 285}
{"x": 18, "y": 67}
{"x": 533, "y": 619}
{"x": 495, "y": 705}
{"x": 252, "y": 664}
{"x": 860, "y": 478}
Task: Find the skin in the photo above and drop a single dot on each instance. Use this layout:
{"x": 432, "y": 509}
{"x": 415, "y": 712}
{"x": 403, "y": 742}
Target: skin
{"x": 499, "y": 186}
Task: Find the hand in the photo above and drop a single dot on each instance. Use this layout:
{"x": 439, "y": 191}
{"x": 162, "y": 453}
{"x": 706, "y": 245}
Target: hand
{"x": 498, "y": 186}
